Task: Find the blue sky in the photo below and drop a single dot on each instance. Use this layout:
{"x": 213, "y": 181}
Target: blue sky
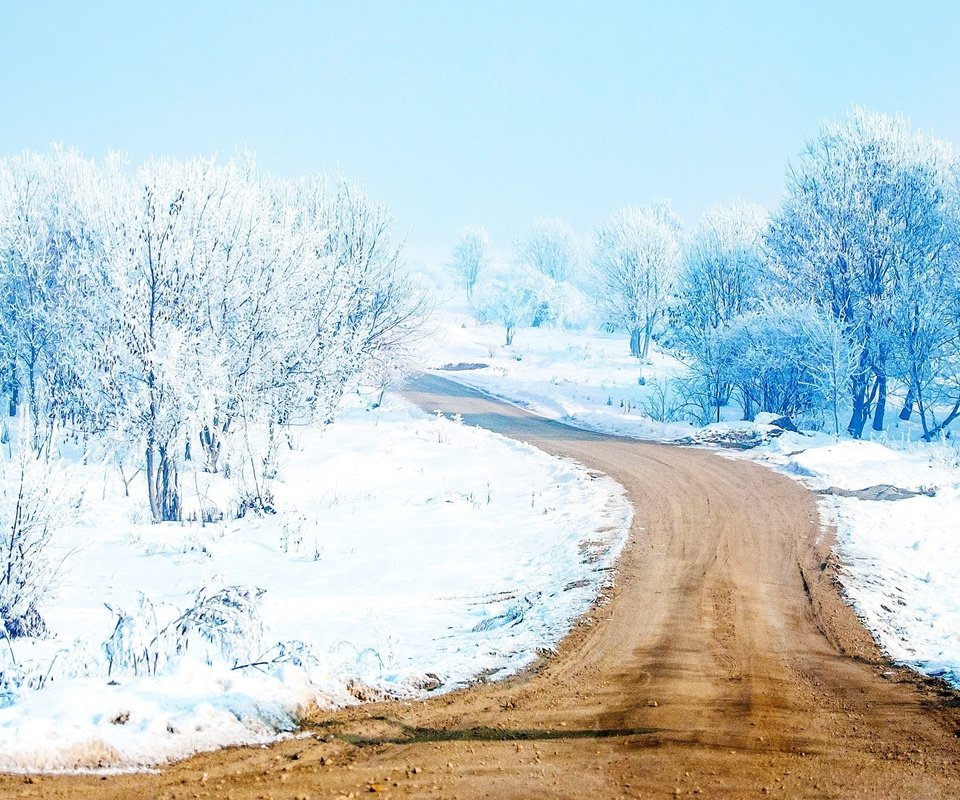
{"x": 489, "y": 113}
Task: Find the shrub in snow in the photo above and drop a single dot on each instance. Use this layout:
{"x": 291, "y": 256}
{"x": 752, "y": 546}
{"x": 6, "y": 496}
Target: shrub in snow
{"x": 293, "y": 652}
{"x": 773, "y": 350}
{"x": 564, "y": 306}
{"x": 222, "y": 625}
{"x": 17, "y": 676}
{"x": 709, "y": 385}
{"x": 664, "y": 402}
{"x": 31, "y": 509}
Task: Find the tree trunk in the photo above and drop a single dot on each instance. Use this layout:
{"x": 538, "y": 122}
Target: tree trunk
{"x": 508, "y": 335}
{"x": 636, "y": 349}
{"x": 881, "y": 403}
{"x": 907, "y": 410}
{"x": 858, "y": 419}
{"x": 210, "y": 442}
{"x": 168, "y": 487}
{"x": 163, "y": 487}
{"x": 647, "y": 333}
{"x": 151, "y": 488}
{"x": 938, "y": 429}
{"x": 14, "y": 392}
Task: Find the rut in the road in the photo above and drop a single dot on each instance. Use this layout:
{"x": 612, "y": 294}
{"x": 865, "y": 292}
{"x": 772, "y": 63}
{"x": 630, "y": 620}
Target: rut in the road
{"x": 723, "y": 664}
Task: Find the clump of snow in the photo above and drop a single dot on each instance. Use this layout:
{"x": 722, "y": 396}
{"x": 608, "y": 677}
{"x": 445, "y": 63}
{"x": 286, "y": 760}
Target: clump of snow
{"x": 853, "y": 464}
{"x": 408, "y": 554}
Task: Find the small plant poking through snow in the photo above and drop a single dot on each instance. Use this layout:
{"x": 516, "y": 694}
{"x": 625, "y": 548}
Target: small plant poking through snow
{"x": 223, "y": 625}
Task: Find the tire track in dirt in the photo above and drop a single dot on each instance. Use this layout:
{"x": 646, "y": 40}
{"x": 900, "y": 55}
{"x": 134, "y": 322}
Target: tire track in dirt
{"x": 722, "y": 664}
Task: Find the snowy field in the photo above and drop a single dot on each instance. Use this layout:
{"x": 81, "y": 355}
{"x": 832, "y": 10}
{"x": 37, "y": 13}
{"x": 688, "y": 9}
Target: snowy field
{"x": 410, "y": 554}
{"x": 901, "y": 557}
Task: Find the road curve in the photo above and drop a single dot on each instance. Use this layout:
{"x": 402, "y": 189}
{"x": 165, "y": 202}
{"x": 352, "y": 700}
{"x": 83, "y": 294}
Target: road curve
{"x": 723, "y": 664}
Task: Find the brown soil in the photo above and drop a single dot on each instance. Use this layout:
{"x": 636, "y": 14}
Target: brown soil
{"x": 723, "y": 664}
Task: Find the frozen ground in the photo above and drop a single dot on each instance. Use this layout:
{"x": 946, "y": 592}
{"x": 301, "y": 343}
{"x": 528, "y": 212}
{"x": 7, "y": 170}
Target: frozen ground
{"x": 901, "y": 557}
{"x": 409, "y": 554}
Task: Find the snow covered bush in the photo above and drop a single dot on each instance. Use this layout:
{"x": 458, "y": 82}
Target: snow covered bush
{"x": 221, "y": 625}
{"x": 772, "y": 354}
{"x": 567, "y": 307}
{"x": 32, "y": 507}
{"x": 664, "y": 401}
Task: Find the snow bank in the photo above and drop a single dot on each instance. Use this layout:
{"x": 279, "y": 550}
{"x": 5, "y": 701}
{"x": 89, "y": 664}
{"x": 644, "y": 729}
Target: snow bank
{"x": 900, "y": 559}
{"x": 409, "y": 554}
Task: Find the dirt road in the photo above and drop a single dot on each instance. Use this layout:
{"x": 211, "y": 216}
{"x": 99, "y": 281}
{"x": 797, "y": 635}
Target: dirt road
{"x": 723, "y": 664}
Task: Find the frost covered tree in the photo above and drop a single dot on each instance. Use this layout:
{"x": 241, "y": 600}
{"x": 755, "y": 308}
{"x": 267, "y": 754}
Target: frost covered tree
{"x": 309, "y": 300}
{"x": 869, "y": 212}
{"x": 721, "y": 273}
{"x": 510, "y": 298}
{"x": 831, "y": 360}
{"x": 926, "y": 349}
{"x": 163, "y": 252}
{"x": 46, "y": 290}
{"x": 192, "y": 303}
{"x": 550, "y": 248}
{"x": 471, "y": 255}
{"x": 636, "y": 255}
{"x": 719, "y": 280}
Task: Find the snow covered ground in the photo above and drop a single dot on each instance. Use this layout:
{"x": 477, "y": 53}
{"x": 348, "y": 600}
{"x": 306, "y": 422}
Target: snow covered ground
{"x": 901, "y": 557}
{"x": 585, "y": 379}
{"x": 397, "y": 567}
{"x": 409, "y": 554}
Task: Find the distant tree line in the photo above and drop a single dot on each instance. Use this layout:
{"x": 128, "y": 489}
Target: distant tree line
{"x": 849, "y": 289}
